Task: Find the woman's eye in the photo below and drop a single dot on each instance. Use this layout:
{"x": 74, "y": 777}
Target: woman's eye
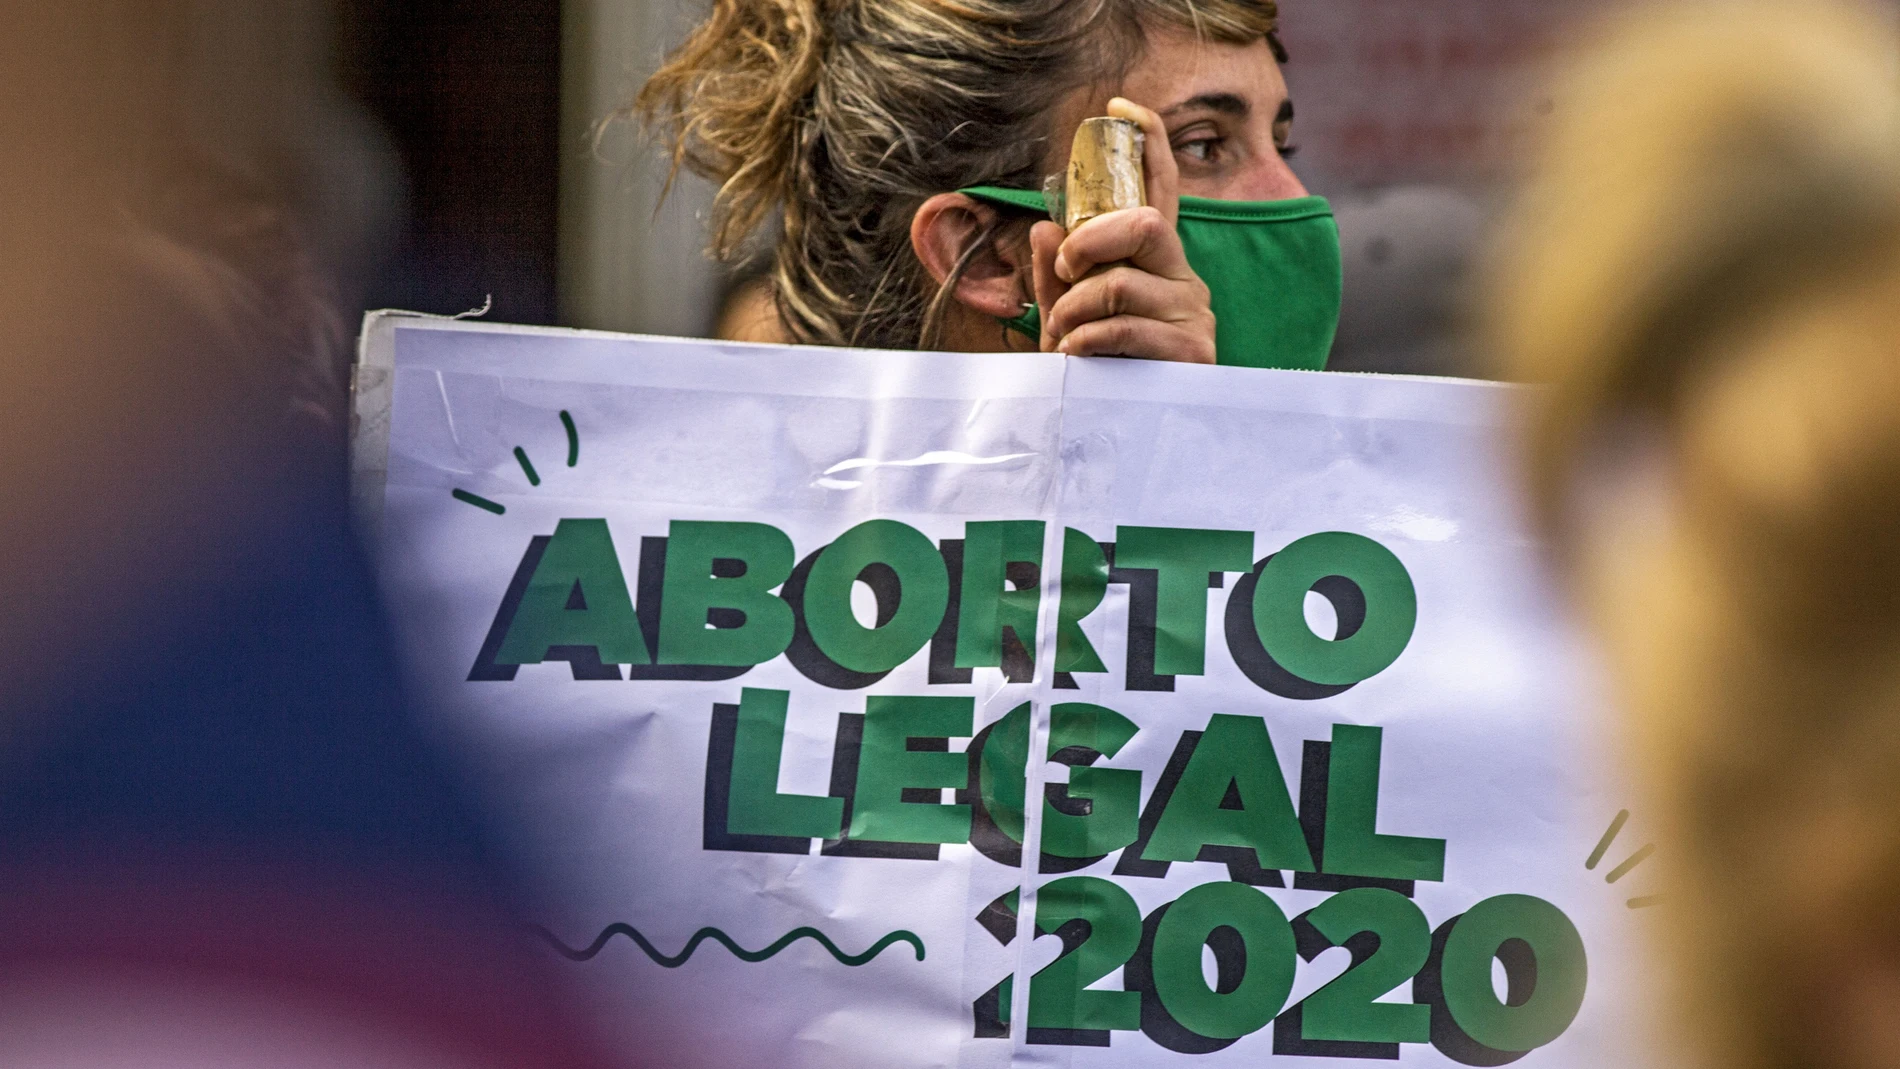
{"x": 1283, "y": 138}
{"x": 1203, "y": 150}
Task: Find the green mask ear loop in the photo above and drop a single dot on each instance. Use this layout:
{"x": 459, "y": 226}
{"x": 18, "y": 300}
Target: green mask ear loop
{"x": 1029, "y": 324}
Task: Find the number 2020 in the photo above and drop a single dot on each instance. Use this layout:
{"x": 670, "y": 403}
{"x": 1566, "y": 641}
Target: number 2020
{"x": 1169, "y": 998}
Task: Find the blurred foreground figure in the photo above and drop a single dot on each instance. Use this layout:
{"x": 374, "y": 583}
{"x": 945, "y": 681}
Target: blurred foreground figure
{"x": 224, "y": 840}
{"x": 1708, "y": 272}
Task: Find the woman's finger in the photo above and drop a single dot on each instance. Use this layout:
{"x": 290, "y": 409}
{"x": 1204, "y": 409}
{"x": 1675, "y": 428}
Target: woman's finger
{"x": 1126, "y": 291}
{"x": 1141, "y": 236}
{"x": 1045, "y": 241}
{"x": 1157, "y": 157}
{"x": 1139, "y": 338}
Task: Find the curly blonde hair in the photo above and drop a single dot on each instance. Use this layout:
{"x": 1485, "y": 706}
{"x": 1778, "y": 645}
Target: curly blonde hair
{"x": 841, "y": 117}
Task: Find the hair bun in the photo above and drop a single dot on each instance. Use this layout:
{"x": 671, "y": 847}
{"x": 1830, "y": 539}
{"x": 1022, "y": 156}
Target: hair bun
{"x": 731, "y": 101}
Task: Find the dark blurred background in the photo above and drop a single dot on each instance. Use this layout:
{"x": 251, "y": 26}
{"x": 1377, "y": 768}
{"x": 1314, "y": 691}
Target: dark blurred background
{"x": 468, "y": 93}
{"x": 1409, "y": 116}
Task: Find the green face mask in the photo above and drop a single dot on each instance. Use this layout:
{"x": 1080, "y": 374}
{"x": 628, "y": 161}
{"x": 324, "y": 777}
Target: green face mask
{"x": 1272, "y": 266}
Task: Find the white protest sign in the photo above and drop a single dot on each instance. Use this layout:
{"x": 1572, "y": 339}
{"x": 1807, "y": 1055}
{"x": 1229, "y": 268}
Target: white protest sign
{"x": 793, "y": 656}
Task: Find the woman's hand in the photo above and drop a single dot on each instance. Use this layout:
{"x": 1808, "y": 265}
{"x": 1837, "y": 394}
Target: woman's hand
{"x": 1147, "y": 302}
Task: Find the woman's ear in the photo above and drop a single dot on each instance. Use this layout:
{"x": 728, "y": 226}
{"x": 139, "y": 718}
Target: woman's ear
{"x": 942, "y": 233}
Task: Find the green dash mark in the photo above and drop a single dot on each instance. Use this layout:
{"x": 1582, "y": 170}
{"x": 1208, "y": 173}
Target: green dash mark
{"x": 748, "y": 956}
{"x": 527, "y": 466}
{"x": 1603, "y": 844}
{"x": 1634, "y": 860}
{"x": 481, "y": 503}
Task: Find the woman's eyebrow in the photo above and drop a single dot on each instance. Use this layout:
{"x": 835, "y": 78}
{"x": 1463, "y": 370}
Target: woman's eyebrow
{"x": 1224, "y": 103}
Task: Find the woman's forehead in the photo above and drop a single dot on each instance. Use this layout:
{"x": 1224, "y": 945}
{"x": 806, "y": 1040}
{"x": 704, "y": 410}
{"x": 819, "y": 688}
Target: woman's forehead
{"x": 1179, "y": 72}
{"x": 1178, "y": 75}
{"x": 1177, "y": 67}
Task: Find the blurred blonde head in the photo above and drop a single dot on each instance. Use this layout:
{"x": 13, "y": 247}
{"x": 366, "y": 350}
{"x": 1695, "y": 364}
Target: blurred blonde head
{"x": 1706, "y": 272}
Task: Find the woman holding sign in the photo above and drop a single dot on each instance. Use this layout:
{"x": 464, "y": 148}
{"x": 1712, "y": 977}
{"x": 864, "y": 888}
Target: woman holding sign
{"x": 904, "y": 145}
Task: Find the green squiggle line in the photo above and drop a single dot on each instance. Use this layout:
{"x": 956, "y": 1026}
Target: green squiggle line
{"x": 751, "y": 957}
